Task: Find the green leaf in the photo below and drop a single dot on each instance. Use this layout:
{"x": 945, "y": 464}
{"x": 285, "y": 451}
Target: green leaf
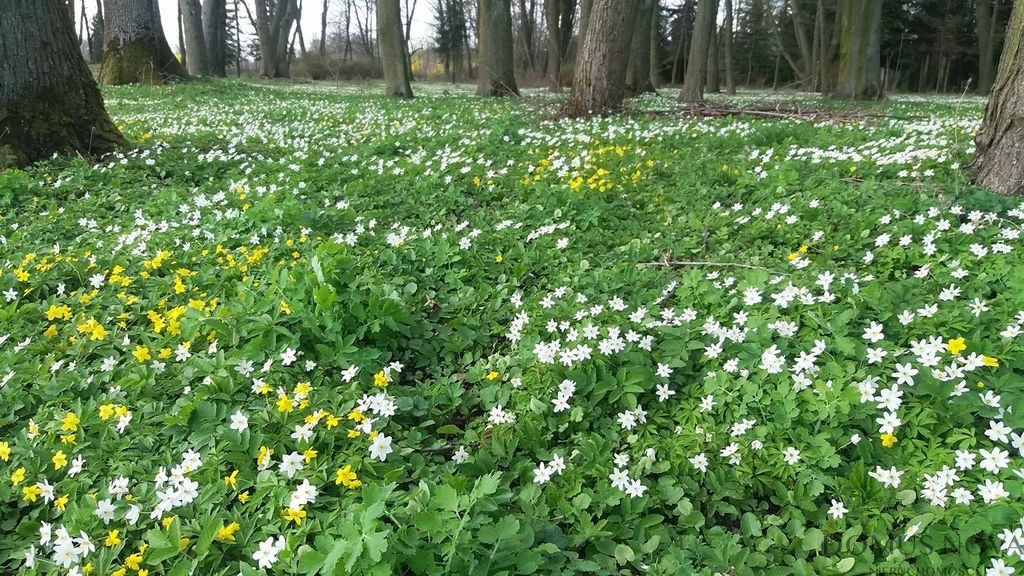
{"x": 813, "y": 539}
{"x": 845, "y": 565}
{"x": 750, "y": 524}
{"x": 624, "y": 554}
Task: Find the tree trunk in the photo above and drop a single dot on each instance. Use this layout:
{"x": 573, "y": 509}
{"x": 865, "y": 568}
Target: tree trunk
{"x": 598, "y": 85}
{"x": 696, "y": 69}
{"x": 195, "y": 42}
{"x": 712, "y": 83}
{"x": 585, "y": 9}
{"x": 999, "y": 161}
{"x": 730, "y": 75}
{"x": 392, "y": 49}
{"x": 986, "y": 44}
{"x": 497, "y": 75}
{"x": 215, "y": 30}
{"x": 134, "y": 47}
{"x": 274, "y": 19}
{"x": 49, "y": 102}
{"x": 552, "y": 17}
{"x": 323, "y": 31}
{"x": 638, "y": 71}
{"x": 860, "y": 70}
{"x": 96, "y": 46}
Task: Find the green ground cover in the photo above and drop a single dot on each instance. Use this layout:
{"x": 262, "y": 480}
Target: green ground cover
{"x": 305, "y": 329}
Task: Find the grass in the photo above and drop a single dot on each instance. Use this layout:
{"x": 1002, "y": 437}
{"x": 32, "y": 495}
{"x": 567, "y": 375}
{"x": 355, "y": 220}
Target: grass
{"x": 305, "y": 329}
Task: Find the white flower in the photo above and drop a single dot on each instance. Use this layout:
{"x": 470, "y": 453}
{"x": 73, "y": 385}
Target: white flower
{"x": 619, "y": 479}
{"x": 239, "y": 421}
{"x": 635, "y": 489}
{"x": 874, "y": 333}
{"x": 994, "y": 460}
{"x": 837, "y": 510}
{"x": 268, "y": 551}
{"x": 105, "y": 510}
{"x": 381, "y": 447}
{"x": 291, "y": 464}
{"x": 890, "y": 477}
{"x": 992, "y": 491}
{"x": 460, "y": 455}
{"x": 999, "y": 568}
{"x": 288, "y": 356}
{"x": 542, "y": 473}
{"x": 791, "y": 455}
{"x": 700, "y": 462}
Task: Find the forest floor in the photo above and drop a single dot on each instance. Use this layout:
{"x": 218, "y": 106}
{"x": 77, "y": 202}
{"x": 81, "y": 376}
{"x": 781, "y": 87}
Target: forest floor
{"x": 302, "y": 328}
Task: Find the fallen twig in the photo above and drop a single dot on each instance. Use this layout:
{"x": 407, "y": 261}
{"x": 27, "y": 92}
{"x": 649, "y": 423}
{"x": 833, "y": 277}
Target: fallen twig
{"x": 685, "y": 263}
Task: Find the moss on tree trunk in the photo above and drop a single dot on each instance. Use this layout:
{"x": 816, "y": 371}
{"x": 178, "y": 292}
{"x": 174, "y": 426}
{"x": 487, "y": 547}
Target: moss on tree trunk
{"x": 49, "y": 102}
{"x": 134, "y": 47}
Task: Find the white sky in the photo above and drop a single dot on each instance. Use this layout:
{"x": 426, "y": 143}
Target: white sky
{"x": 422, "y": 25}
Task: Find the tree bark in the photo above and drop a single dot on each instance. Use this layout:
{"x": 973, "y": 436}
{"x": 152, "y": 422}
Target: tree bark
{"x": 495, "y": 63}
{"x": 638, "y": 71}
{"x": 274, "y": 20}
{"x": 392, "y": 49}
{"x": 134, "y": 47}
{"x": 49, "y": 101}
{"x": 986, "y": 44}
{"x": 999, "y": 160}
{"x": 215, "y": 32}
{"x": 697, "y": 62}
{"x": 727, "y": 31}
{"x": 860, "y": 69}
{"x": 712, "y": 83}
{"x": 598, "y": 85}
{"x": 552, "y": 18}
{"x": 195, "y": 41}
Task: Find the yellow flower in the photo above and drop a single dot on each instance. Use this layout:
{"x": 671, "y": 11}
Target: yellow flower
{"x": 353, "y": 433}
{"x": 61, "y": 503}
{"x": 303, "y": 388}
{"x": 112, "y": 539}
{"x": 143, "y": 572}
{"x": 380, "y": 379}
{"x": 264, "y": 457}
{"x": 232, "y": 480}
{"x": 956, "y": 346}
{"x": 67, "y": 438}
{"x": 122, "y": 571}
{"x": 284, "y": 403}
{"x": 132, "y": 562}
{"x": 51, "y": 331}
{"x": 332, "y": 421}
{"x": 285, "y": 307}
{"x": 98, "y": 332}
{"x": 498, "y": 259}
{"x": 347, "y": 477}
{"x": 990, "y": 361}
{"x": 18, "y": 477}
{"x": 30, "y": 493}
{"x": 69, "y": 423}
{"x": 63, "y": 312}
{"x": 5, "y": 451}
{"x": 141, "y": 353}
{"x": 59, "y": 460}
{"x": 356, "y": 415}
{"x": 166, "y": 521}
{"x": 88, "y": 569}
{"x": 309, "y": 454}
{"x": 227, "y": 533}
{"x": 888, "y": 440}
{"x": 492, "y": 375}
{"x": 293, "y": 515}
{"x": 106, "y": 411}
{"x": 244, "y": 497}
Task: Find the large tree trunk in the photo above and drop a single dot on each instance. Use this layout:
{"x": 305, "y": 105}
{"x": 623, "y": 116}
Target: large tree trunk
{"x": 215, "y": 31}
{"x": 638, "y": 71}
{"x": 49, "y": 102}
{"x": 195, "y": 42}
{"x": 730, "y": 75}
{"x": 598, "y": 86}
{"x": 999, "y": 161}
{"x": 274, "y": 20}
{"x": 552, "y": 18}
{"x": 712, "y": 83}
{"x": 392, "y": 49}
{"x": 696, "y": 68}
{"x": 497, "y": 76}
{"x": 96, "y": 46}
{"x": 134, "y": 47}
{"x": 860, "y": 68}
{"x": 986, "y": 44}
